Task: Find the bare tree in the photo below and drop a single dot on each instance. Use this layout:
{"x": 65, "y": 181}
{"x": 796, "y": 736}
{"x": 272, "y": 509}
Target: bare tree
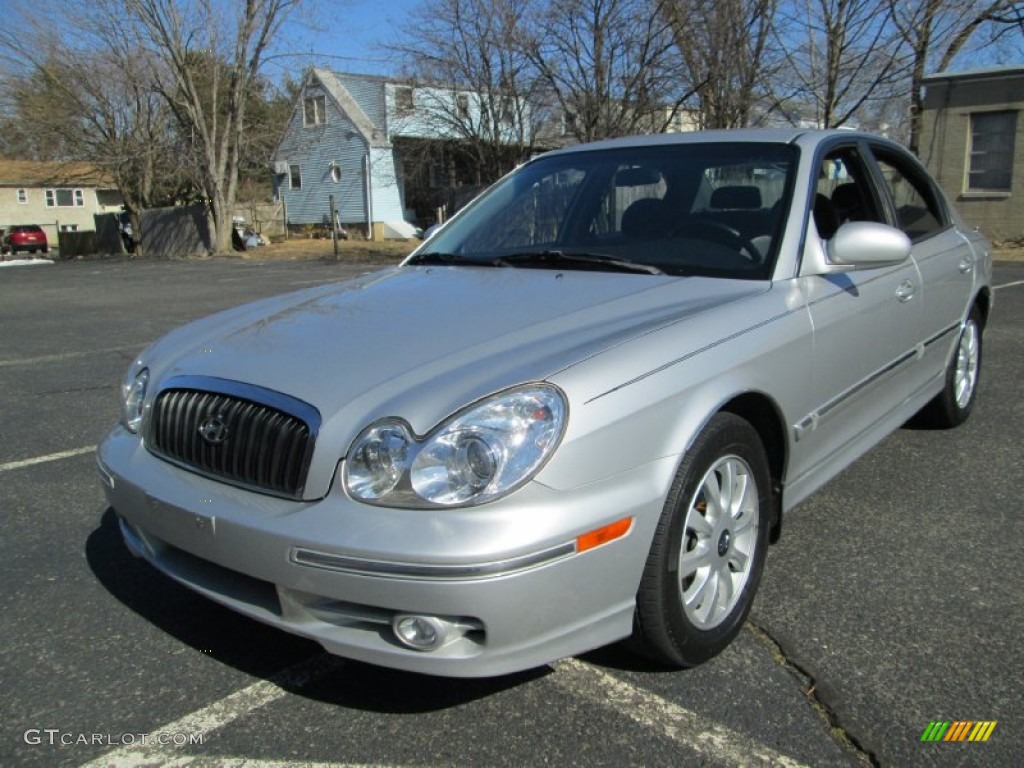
{"x": 90, "y": 104}
{"x": 936, "y": 31}
{"x": 192, "y": 46}
{"x": 477, "y": 87}
{"x": 840, "y": 55}
{"x": 610, "y": 66}
{"x": 120, "y": 72}
{"x": 725, "y": 49}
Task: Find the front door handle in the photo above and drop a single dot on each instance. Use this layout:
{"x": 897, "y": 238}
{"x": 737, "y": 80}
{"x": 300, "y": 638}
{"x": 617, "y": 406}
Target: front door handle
{"x": 905, "y": 291}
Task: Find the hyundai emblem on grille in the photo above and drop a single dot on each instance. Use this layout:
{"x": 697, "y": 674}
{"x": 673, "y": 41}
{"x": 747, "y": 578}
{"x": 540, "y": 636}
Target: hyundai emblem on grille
{"x": 213, "y": 430}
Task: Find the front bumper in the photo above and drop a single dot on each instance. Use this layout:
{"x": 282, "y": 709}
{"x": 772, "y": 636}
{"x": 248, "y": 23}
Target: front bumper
{"x": 506, "y": 575}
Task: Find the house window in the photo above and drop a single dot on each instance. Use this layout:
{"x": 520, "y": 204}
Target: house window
{"x": 64, "y": 198}
{"x": 23, "y": 196}
{"x": 294, "y": 177}
{"x": 403, "y": 100}
{"x": 568, "y": 122}
{"x": 462, "y": 106}
{"x": 991, "y": 151}
{"x": 314, "y": 110}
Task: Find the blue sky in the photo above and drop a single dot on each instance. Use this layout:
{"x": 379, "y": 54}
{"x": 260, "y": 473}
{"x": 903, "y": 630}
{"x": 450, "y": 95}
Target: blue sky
{"x": 343, "y": 34}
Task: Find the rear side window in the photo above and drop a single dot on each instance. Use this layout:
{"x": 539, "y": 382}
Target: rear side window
{"x": 918, "y": 211}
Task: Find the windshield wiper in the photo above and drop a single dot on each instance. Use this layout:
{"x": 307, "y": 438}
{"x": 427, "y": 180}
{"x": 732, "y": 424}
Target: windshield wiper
{"x": 561, "y": 259}
{"x": 449, "y": 259}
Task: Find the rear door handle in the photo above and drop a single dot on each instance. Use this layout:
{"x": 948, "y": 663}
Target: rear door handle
{"x": 966, "y": 265}
{"x": 905, "y": 291}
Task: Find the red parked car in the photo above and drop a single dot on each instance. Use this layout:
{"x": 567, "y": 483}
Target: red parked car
{"x": 25, "y": 237}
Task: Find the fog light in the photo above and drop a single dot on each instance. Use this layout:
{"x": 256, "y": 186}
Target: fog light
{"x": 424, "y": 633}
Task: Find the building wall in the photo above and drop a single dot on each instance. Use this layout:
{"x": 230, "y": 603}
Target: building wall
{"x": 387, "y": 186}
{"x": 945, "y": 146}
{"x": 51, "y": 218}
{"x": 314, "y": 149}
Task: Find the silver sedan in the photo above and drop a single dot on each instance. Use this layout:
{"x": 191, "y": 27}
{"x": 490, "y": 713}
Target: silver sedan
{"x": 578, "y": 413}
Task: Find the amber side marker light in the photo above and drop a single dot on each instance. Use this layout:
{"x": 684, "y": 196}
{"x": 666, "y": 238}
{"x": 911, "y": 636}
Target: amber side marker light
{"x": 596, "y": 538}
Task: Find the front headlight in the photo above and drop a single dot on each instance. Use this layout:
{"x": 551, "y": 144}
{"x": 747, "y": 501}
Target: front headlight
{"x": 483, "y": 453}
{"x": 133, "y": 397}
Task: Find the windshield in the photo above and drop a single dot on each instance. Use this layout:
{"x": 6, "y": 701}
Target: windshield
{"x": 689, "y": 209}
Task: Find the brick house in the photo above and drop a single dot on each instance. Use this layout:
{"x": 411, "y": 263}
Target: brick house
{"x": 971, "y": 141}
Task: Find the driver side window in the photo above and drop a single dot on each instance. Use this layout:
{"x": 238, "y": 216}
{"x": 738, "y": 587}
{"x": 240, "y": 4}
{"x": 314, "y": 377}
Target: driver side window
{"x": 843, "y": 193}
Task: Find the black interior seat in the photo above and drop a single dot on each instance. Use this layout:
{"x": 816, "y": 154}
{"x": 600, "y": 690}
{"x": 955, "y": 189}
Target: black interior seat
{"x": 848, "y": 203}
{"x": 739, "y": 207}
{"x": 825, "y": 217}
{"x": 647, "y": 218}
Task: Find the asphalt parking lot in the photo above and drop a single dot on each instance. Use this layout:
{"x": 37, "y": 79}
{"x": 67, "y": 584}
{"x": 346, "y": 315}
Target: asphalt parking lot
{"x": 893, "y": 599}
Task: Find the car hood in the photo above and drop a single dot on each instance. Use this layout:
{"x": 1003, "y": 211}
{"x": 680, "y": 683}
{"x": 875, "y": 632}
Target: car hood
{"x": 419, "y": 343}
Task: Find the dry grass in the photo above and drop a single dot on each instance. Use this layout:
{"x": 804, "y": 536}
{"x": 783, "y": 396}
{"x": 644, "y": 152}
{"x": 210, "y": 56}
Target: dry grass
{"x": 362, "y": 251}
{"x": 393, "y": 251}
{"x": 1013, "y": 251}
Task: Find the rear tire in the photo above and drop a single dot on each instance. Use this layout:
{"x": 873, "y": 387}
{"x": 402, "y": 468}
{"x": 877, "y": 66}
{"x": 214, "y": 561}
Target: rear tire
{"x": 951, "y": 407}
{"x": 709, "y": 548}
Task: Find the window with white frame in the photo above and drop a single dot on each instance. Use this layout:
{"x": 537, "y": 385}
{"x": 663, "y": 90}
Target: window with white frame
{"x": 22, "y": 196}
{"x": 314, "y": 110}
{"x": 65, "y": 198}
{"x": 294, "y": 177}
{"x": 990, "y": 158}
{"x": 462, "y": 105}
{"x": 568, "y": 122}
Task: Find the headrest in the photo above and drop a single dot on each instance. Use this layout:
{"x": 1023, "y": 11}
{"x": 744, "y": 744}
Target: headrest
{"x": 736, "y": 197}
{"x": 846, "y": 197}
{"x": 648, "y": 217}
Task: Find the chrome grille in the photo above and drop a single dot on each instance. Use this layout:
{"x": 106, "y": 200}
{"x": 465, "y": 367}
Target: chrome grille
{"x": 256, "y": 445}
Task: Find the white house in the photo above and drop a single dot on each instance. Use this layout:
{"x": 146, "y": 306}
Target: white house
{"x": 56, "y": 196}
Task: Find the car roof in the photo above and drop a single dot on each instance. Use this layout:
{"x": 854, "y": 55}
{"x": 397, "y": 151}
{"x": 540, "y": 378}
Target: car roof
{"x": 738, "y": 136}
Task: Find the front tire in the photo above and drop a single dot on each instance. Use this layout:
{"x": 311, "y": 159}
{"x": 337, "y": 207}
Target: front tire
{"x": 709, "y": 547}
{"x": 954, "y": 403}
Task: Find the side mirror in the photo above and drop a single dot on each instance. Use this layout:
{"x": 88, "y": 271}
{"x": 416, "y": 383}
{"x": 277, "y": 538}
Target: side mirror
{"x": 855, "y": 245}
{"x": 867, "y": 244}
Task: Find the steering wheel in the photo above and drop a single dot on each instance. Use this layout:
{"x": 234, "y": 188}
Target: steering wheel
{"x": 719, "y": 232}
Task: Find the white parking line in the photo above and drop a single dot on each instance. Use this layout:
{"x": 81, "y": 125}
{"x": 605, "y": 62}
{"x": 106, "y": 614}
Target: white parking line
{"x": 688, "y": 729}
{"x": 70, "y": 355}
{"x": 49, "y": 457}
{"x": 166, "y": 761}
{"x": 147, "y": 751}
{"x": 1008, "y": 285}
